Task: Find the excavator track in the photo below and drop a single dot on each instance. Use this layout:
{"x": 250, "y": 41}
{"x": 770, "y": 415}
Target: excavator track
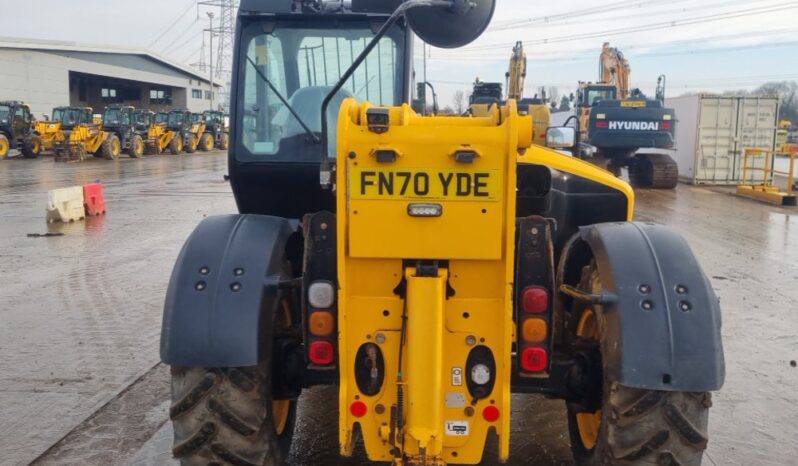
{"x": 654, "y": 171}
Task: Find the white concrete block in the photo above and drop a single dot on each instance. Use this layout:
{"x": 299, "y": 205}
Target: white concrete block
{"x": 65, "y": 204}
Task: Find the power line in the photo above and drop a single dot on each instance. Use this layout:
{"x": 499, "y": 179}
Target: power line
{"x": 547, "y": 19}
{"x": 188, "y": 41}
{"x": 191, "y": 4}
{"x": 650, "y": 27}
{"x": 179, "y": 36}
{"x": 679, "y": 10}
{"x": 563, "y": 55}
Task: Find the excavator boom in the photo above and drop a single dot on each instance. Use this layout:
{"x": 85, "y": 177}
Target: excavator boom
{"x": 516, "y": 74}
{"x": 614, "y": 69}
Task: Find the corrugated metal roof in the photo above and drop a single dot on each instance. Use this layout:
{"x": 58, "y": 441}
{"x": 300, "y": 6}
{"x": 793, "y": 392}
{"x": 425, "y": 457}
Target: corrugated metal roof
{"x": 66, "y": 46}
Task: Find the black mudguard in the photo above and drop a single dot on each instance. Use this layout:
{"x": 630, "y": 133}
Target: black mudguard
{"x": 676, "y": 344}
{"x": 222, "y": 292}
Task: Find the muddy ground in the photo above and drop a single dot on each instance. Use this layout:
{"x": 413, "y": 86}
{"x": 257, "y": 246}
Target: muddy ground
{"x": 80, "y": 316}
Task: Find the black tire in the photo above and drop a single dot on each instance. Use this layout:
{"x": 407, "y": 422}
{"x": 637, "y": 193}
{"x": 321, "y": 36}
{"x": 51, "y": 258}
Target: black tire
{"x": 191, "y": 144}
{"x": 176, "y": 146}
{"x": 637, "y": 427}
{"x": 32, "y": 146}
{"x": 224, "y": 141}
{"x": 206, "y": 142}
{"x": 5, "y": 146}
{"x": 136, "y": 149}
{"x": 224, "y": 416}
{"x": 109, "y": 148}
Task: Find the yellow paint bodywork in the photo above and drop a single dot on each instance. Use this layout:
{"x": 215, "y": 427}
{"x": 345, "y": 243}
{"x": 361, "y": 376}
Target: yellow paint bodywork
{"x": 158, "y": 134}
{"x": 377, "y": 243}
{"x": 51, "y": 134}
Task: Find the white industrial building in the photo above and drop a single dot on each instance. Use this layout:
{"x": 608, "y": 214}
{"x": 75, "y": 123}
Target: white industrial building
{"x": 48, "y": 74}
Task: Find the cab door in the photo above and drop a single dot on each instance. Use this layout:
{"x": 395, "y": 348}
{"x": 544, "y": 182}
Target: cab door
{"x": 22, "y": 122}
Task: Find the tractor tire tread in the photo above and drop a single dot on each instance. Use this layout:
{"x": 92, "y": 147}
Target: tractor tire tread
{"x": 639, "y": 426}
{"x": 672, "y": 428}
{"x": 215, "y": 421}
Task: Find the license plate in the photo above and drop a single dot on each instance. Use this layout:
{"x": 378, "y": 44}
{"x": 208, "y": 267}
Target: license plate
{"x": 633, "y": 103}
{"x": 424, "y": 184}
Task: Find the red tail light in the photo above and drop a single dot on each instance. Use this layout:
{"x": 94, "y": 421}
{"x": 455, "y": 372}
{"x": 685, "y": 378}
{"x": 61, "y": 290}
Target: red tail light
{"x": 322, "y": 353}
{"x": 602, "y": 124}
{"x": 534, "y": 360}
{"x": 665, "y": 125}
{"x": 535, "y": 299}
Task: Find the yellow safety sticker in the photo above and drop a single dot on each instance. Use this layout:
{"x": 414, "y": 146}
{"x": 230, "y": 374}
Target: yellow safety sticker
{"x": 633, "y": 103}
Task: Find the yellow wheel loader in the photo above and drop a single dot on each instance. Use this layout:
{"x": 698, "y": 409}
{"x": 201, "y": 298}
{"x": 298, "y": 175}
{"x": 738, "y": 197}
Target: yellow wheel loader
{"x": 427, "y": 267}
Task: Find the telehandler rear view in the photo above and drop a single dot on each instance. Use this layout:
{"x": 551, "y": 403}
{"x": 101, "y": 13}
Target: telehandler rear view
{"x": 429, "y": 267}
{"x": 17, "y": 130}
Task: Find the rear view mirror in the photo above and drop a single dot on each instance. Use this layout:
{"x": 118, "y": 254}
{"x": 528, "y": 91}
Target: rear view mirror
{"x": 451, "y": 24}
{"x": 560, "y": 137}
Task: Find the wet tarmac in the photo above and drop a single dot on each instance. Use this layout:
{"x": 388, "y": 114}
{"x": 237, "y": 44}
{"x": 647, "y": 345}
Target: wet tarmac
{"x": 80, "y": 382}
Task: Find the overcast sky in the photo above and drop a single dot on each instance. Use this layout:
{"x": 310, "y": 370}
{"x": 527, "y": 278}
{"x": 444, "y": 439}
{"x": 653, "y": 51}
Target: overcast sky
{"x": 701, "y": 45}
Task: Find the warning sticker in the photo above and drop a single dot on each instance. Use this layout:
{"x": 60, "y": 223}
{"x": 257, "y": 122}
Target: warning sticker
{"x": 457, "y": 428}
{"x": 457, "y": 376}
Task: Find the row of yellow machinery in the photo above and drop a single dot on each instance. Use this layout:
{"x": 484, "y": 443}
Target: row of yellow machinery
{"x": 74, "y": 133}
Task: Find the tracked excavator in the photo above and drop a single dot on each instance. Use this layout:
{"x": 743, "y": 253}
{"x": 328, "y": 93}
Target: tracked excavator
{"x": 618, "y": 121}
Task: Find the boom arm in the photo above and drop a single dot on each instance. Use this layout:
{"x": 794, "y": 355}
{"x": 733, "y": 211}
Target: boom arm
{"x": 516, "y": 73}
{"x": 614, "y": 69}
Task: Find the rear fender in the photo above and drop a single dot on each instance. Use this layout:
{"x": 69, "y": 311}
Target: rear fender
{"x": 222, "y": 292}
{"x": 675, "y": 344}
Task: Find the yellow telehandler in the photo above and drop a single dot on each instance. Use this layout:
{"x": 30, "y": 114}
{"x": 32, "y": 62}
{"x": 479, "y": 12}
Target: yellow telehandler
{"x": 157, "y": 138}
{"x": 427, "y": 267}
{"x": 83, "y": 136}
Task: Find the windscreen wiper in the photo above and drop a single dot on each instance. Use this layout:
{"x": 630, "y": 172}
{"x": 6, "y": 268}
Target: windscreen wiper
{"x": 313, "y": 135}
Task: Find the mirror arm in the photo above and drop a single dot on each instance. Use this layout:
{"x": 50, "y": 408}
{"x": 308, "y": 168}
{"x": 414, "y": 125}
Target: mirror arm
{"x": 575, "y": 150}
{"x": 326, "y": 170}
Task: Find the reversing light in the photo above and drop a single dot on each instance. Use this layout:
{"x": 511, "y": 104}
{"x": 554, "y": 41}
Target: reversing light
{"x": 480, "y": 374}
{"x": 321, "y": 324}
{"x": 535, "y": 330}
{"x": 667, "y": 117}
{"x": 321, "y": 295}
{"x": 424, "y": 210}
{"x": 491, "y": 413}
{"x": 534, "y": 360}
{"x": 322, "y": 353}
{"x": 601, "y": 116}
{"x": 535, "y": 299}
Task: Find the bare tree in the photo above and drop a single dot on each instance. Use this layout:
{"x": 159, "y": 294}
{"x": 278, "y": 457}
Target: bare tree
{"x": 459, "y": 102}
{"x": 553, "y": 94}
